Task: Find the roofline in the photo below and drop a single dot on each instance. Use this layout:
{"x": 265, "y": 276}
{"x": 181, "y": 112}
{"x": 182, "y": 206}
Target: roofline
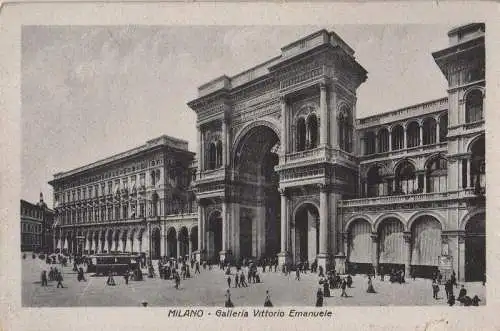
{"x": 400, "y": 109}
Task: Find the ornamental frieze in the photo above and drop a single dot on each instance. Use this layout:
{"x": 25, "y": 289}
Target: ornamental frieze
{"x": 373, "y": 207}
{"x": 272, "y": 108}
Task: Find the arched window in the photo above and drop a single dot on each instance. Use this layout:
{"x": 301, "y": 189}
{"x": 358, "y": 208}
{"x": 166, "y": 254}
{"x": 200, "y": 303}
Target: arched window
{"x": 406, "y": 180}
{"x": 474, "y": 106}
{"x": 436, "y": 172}
{"x": 301, "y": 134}
{"x": 212, "y": 154}
{"x": 478, "y": 165}
{"x": 219, "y": 154}
{"x": 413, "y": 135}
{"x": 312, "y": 131}
{"x": 369, "y": 142}
{"x": 383, "y": 140}
{"x": 443, "y": 127}
{"x": 375, "y": 183}
{"x": 429, "y": 131}
{"x": 345, "y": 130}
{"x": 397, "y": 137}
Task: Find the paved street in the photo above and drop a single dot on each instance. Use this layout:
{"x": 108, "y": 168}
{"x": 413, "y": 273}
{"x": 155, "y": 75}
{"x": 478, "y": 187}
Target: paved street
{"x": 208, "y": 289}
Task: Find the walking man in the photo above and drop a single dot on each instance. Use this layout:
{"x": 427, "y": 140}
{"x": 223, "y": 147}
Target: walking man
{"x": 59, "y": 278}
{"x": 343, "y": 287}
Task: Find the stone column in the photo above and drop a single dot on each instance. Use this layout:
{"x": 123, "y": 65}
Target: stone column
{"x": 407, "y": 240}
{"x": 190, "y": 246}
{"x": 376, "y": 143}
{"x": 283, "y": 255}
{"x": 224, "y": 143}
{"x": 421, "y": 130}
{"x": 460, "y": 174}
{"x": 323, "y": 226}
{"x": 200, "y": 151}
{"x": 470, "y": 181}
{"x": 324, "y": 115}
{"x": 438, "y": 139}
{"x": 375, "y": 240}
{"x": 390, "y": 140}
{"x": 405, "y": 138}
{"x": 284, "y": 128}
{"x": 225, "y": 232}
{"x": 461, "y": 256}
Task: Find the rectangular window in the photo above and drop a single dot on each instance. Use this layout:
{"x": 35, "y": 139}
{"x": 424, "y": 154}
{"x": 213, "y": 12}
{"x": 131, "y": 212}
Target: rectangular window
{"x": 73, "y": 195}
{"x": 110, "y": 187}
{"x": 103, "y": 214}
{"x": 142, "y": 179}
{"x": 96, "y": 214}
{"x": 84, "y": 193}
{"x": 124, "y": 183}
{"x": 79, "y": 194}
{"x": 125, "y": 212}
{"x": 103, "y": 189}
{"x": 96, "y": 190}
{"x": 117, "y": 213}
{"x": 117, "y": 185}
{"x": 110, "y": 214}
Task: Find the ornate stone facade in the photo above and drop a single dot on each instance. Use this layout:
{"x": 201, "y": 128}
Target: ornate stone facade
{"x": 291, "y": 169}
{"x": 138, "y": 201}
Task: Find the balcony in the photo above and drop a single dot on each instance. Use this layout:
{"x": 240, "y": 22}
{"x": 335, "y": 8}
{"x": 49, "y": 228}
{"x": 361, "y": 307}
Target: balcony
{"x": 407, "y": 198}
{"x": 210, "y": 175}
{"x": 316, "y": 155}
{"x": 407, "y": 152}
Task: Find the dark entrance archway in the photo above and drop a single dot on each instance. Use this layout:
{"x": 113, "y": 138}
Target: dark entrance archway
{"x": 306, "y": 233}
{"x": 156, "y": 244}
{"x": 194, "y": 239}
{"x": 259, "y": 219}
{"x": 475, "y": 248}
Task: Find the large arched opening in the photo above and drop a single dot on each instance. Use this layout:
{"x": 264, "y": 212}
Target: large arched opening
{"x": 194, "y": 239}
{"x": 172, "y": 243}
{"x": 475, "y": 248}
{"x": 260, "y": 218}
{"x": 305, "y": 233}
{"x": 183, "y": 242}
{"x": 426, "y": 246}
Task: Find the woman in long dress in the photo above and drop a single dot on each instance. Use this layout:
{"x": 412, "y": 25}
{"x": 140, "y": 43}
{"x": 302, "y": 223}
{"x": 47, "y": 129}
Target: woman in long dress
{"x": 370, "y": 286}
{"x": 228, "y": 303}
{"x": 267, "y": 302}
{"x": 319, "y": 298}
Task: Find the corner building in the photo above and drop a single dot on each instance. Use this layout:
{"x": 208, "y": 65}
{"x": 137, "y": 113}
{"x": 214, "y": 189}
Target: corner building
{"x": 286, "y": 167}
{"x": 137, "y": 201}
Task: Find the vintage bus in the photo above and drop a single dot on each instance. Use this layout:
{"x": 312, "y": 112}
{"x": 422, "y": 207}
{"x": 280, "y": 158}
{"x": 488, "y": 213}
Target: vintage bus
{"x": 118, "y": 264}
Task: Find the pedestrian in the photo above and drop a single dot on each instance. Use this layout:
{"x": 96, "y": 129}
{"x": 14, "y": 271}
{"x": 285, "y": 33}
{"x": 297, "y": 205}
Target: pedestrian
{"x": 297, "y": 274}
{"x": 197, "y": 270}
{"x": 228, "y": 303}
{"x": 326, "y": 288}
{"x": 236, "y": 280}
{"x": 462, "y": 294}
{"x": 229, "y": 281}
{"x": 110, "y": 281}
{"x": 451, "y": 300}
{"x": 343, "y": 287}
{"x": 435, "y": 289}
{"x": 319, "y": 298}
{"x": 81, "y": 275}
{"x": 59, "y": 279}
{"x": 475, "y": 301}
{"x": 453, "y": 278}
{"x": 44, "y": 278}
{"x": 177, "y": 280}
{"x": 126, "y": 276}
{"x": 349, "y": 281}
{"x": 243, "y": 282}
{"x": 267, "y": 301}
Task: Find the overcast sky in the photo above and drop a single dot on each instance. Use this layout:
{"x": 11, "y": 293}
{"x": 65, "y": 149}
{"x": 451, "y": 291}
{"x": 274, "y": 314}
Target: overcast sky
{"x": 90, "y": 92}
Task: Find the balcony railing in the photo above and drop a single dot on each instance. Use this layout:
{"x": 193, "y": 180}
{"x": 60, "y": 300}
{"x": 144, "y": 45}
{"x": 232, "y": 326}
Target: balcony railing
{"x": 320, "y": 154}
{"x": 407, "y": 198}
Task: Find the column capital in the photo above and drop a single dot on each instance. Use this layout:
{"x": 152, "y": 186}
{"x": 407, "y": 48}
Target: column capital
{"x": 407, "y": 236}
{"x": 324, "y": 188}
{"x": 345, "y": 235}
{"x": 283, "y": 191}
{"x": 323, "y": 85}
{"x": 282, "y": 99}
{"x": 374, "y": 236}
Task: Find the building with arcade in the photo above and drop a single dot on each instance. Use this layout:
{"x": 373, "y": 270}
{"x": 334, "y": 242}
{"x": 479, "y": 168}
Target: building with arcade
{"x": 138, "y": 201}
{"x": 286, "y": 167}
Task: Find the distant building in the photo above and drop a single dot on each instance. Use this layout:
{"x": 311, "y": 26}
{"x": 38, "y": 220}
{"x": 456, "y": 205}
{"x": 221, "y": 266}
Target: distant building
{"x": 36, "y": 226}
{"x": 137, "y": 201}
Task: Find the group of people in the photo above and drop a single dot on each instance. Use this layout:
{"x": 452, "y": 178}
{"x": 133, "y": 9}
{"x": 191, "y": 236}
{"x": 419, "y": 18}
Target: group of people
{"x": 54, "y": 275}
{"x": 240, "y": 280}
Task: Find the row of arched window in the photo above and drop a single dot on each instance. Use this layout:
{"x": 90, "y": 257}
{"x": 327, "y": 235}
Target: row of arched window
{"x": 434, "y": 179}
{"x": 386, "y": 140}
{"x": 307, "y": 134}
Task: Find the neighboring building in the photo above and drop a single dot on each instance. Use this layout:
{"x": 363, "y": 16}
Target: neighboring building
{"x": 36, "y": 225}
{"x": 285, "y": 167}
{"x": 136, "y": 201}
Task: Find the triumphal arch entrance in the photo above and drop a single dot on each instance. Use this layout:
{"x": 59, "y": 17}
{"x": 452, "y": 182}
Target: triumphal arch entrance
{"x": 276, "y": 153}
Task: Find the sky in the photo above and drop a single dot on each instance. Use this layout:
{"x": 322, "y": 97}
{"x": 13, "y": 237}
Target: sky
{"x": 89, "y": 92}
